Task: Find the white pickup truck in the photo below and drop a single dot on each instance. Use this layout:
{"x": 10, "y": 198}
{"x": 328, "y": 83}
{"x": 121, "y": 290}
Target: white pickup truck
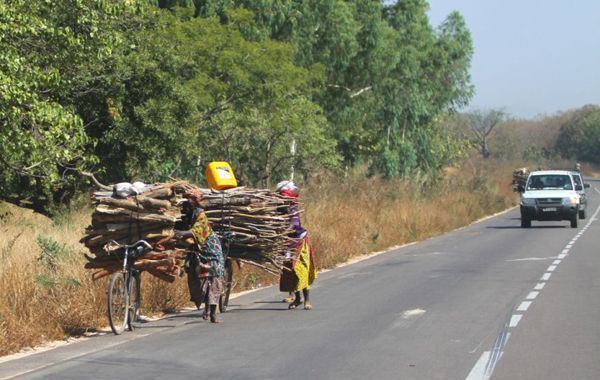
{"x": 550, "y": 195}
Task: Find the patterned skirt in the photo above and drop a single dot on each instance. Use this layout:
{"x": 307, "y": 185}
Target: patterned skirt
{"x": 205, "y": 290}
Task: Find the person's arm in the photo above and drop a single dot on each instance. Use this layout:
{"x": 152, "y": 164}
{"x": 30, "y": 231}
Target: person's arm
{"x": 183, "y": 234}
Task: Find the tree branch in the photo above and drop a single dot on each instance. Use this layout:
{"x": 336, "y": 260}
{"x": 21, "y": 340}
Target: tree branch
{"x": 94, "y": 179}
{"x": 353, "y": 93}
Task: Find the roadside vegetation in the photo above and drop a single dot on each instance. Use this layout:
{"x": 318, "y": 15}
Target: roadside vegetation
{"x": 47, "y": 295}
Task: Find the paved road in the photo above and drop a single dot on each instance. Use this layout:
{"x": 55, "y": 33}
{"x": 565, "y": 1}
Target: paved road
{"x": 491, "y": 299}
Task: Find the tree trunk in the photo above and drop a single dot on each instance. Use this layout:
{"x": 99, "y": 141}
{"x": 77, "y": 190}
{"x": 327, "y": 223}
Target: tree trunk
{"x": 484, "y": 148}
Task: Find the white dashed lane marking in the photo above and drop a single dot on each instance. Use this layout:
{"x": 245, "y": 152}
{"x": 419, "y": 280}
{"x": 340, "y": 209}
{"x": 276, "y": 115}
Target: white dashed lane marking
{"x": 524, "y": 306}
{"x": 532, "y": 295}
{"x": 514, "y": 320}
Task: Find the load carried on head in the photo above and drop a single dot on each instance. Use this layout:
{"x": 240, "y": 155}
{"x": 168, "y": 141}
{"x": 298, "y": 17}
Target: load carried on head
{"x": 258, "y": 218}
{"x": 519, "y": 178}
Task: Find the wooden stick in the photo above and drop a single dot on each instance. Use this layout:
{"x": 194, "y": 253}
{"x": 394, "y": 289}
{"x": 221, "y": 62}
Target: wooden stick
{"x": 259, "y": 266}
{"x": 161, "y": 275}
{"x": 102, "y": 273}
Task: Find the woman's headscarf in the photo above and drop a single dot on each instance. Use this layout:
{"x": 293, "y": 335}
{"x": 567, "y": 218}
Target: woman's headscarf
{"x": 193, "y": 195}
{"x": 287, "y": 188}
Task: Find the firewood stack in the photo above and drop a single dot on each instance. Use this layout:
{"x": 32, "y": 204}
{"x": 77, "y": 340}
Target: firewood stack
{"x": 519, "y": 178}
{"x": 259, "y": 220}
{"x": 151, "y": 216}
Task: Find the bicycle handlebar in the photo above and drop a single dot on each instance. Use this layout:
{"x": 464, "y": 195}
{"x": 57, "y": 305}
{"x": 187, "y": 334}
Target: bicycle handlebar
{"x": 137, "y": 243}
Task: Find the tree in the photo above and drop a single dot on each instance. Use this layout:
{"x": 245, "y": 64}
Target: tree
{"x": 388, "y": 75}
{"x": 481, "y": 124}
{"x": 51, "y": 53}
{"x": 195, "y": 90}
{"x": 579, "y": 137}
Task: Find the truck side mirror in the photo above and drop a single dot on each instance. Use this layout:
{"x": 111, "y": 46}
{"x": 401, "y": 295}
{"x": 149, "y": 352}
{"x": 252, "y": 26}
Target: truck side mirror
{"x": 578, "y": 187}
{"x": 586, "y": 185}
{"x": 521, "y": 188}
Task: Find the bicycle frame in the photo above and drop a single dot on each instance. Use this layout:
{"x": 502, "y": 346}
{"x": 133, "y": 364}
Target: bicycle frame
{"x": 122, "y": 304}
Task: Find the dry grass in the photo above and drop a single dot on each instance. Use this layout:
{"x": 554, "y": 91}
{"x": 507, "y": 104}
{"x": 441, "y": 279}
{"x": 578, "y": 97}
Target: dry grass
{"x": 355, "y": 216}
{"x": 46, "y": 293}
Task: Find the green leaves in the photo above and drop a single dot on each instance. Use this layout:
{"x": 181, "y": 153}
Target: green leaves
{"x": 195, "y": 90}
{"x": 148, "y": 90}
{"x": 51, "y": 53}
{"x": 579, "y": 137}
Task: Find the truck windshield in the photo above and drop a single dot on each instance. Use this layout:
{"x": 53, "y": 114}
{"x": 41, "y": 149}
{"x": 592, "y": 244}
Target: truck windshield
{"x": 549, "y": 182}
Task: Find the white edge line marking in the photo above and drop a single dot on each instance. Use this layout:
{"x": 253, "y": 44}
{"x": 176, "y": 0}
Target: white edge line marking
{"x": 532, "y": 295}
{"x": 540, "y": 286}
{"x": 556, "y": 262}
{"x": 551, "y": 268}
{"x": 514, "y": 320}
{"x": 562, "y": 256}
{"x": 546, "y": 276}
{"x": 524, "y": 306}
{"x": 565, "y": 251}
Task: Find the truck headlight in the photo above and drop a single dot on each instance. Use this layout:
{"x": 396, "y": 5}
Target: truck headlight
{"x": 570, "y": 201}
{"x": 528, "y": 201}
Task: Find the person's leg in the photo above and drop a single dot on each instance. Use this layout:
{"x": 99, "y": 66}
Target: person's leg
{"x": 205, "y": 288}
{"x": 297, "y": 301}
{"x": 206, "y": 312}
{"x": 213, "y": 314}
{"x": 306, "y": 293}
{"x": 214, "y": 292}
{"x": 289, "y": 298}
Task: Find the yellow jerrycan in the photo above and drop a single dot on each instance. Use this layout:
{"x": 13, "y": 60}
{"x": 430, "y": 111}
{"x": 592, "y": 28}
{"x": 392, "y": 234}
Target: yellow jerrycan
{"x": 219, "y": 176}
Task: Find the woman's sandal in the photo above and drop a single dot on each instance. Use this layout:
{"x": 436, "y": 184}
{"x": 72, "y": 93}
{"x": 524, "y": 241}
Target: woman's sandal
{"x": 307, "y": 306}
{"x": 294, "y": 305}
{"x": 205, "y": 316}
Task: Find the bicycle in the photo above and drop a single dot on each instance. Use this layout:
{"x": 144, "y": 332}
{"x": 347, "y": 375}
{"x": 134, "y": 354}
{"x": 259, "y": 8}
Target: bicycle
{"x": 124, "y": 288}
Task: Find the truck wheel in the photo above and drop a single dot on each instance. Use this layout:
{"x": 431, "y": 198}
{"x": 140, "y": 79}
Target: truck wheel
{"x": 525, "y": 222}
{"x": 582, "y": 214}
{"x": 574, "y": 221}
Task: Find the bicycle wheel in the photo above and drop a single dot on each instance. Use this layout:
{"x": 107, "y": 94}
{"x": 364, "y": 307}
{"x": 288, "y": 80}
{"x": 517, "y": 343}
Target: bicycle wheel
{"x": 134, "y": 300}
{"x": 117, "y": 303}
{"x": 227, "y": 281}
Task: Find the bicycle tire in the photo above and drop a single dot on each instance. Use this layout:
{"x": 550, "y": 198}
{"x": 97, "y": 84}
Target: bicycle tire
{"x": 227, "y": 282}
{"x": 134, "y": 300}
{"x": 117, "y": 303}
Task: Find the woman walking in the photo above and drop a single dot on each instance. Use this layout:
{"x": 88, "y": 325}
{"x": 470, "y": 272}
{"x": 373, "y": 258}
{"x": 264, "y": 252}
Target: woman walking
{"x": 299, "y": 271}
{"x": 206, "y": 270}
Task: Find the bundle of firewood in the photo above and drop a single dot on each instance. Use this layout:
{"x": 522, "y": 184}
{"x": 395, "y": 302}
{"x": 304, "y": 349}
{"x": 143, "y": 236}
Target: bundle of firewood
{"x": 253, "y": 224}
{"x": 150, "y": 216}
{"x": 258, "y": 219}
{"x": 519, "y": 178}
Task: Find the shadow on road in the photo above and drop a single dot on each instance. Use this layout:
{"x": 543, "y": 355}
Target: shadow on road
{"x": 234, "y": 311}
{"x": 519, "y": 227}
{"x": 144, "y": 326}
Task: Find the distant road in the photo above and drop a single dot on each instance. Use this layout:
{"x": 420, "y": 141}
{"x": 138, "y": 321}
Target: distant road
{"x": 491, "y": 299}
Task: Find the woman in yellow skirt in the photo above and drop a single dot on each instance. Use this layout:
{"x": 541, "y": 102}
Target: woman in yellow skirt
{"x": 299, "y": 272}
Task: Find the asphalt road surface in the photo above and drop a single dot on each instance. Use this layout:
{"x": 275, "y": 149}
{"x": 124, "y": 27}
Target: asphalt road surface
{"x": 491, "y": 300}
